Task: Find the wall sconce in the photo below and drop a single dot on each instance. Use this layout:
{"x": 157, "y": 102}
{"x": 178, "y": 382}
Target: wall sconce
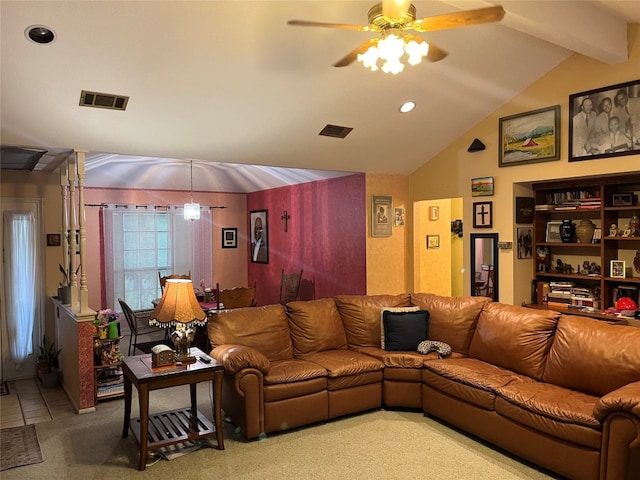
{"x": 456, "y": 227}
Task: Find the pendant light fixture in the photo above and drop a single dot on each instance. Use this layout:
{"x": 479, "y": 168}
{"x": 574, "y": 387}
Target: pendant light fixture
{"x": 192, "y": 210}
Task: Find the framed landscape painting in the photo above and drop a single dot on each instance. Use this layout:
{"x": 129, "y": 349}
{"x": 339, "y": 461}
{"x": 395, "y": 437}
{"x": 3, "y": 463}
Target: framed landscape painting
{"x": 530, "y": 137}
{"x": 602, "y": 122}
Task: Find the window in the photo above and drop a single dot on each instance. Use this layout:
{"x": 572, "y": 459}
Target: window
{"x": 139, "y": 242}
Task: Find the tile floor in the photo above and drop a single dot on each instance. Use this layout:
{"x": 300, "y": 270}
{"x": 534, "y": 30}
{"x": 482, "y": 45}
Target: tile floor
{"x": 29, "y": 403}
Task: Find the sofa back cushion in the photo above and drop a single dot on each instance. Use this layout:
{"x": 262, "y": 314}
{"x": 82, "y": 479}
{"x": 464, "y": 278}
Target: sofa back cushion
{"x": 593, "y": 356}
{"x": 452, "y": 320}
{"x": 362, "y": 316}
{"x": 315, "y": 326}
{"x": 264, "y": 328}
{"x": 515, "y": 338}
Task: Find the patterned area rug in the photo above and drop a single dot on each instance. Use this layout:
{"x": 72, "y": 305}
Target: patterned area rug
{"x": 19, "y": 446}
{"x": 4, "y": 388}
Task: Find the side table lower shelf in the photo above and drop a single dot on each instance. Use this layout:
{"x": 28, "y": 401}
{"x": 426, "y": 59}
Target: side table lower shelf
{"x": 175, "y": 426}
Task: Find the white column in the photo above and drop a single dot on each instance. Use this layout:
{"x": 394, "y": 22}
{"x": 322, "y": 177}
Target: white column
{"x": 82, "y": 217}
{"x": 72, "y": 235}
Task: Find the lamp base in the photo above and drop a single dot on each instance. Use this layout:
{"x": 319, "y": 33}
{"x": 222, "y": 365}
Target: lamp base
{"x": 185, "y": 357}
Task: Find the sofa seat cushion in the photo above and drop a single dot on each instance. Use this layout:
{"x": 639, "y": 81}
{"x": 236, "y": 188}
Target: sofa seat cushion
{"x": 403, "y": 374}
{"x": 552, "y": 401}
{"x": 397, "y": 359}
{"x": 469, "y": 379}
{"x": 452, "y": 320}
{"x": 342, "y": 363}
{"x": 475, "y": 373}
{"x": 293, "y": 370}
{"x": 553, "y": 410}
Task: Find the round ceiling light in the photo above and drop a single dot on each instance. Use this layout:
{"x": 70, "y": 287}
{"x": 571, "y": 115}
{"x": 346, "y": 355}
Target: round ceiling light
{"x": 40, "y": 34}
{"x": 407, "y": 107}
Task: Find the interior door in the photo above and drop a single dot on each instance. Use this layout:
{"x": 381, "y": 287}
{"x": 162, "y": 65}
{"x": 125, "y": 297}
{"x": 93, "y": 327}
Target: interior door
{"x": 11, "y": 370}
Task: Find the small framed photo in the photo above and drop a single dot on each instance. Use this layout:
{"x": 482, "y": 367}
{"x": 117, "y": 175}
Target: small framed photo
{"x": 398, "y": 219}
{"x": 381, "y": 210}
{"x": 525, "y": 242}
{"x": 434, "y": 213}
{"x": 597, "y": 235}
{"x": 482, "y": 214}
{"x": 617, "y": 269}
{"x": 433, "y": 241}
{"x": 53, "y": 240}
{"x": 229, "y": 238}
{"x": 553, "y": 232}
{"x": 622, "y": 199}
{"x": 530, "y": 137}
{"x": 482, "y": 186}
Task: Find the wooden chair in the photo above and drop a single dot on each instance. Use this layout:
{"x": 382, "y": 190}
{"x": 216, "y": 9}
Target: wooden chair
{"x": 289, "y": 286}
{"x": 138, "y": 321}
{"x": 238, "y": 297}
{"x": 163, "y": 280}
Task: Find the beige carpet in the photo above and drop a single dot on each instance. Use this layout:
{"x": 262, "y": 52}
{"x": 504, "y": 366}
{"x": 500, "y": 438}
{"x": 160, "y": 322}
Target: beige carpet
{"x": 376, "y": 445}
{"x": 18, "y": 447}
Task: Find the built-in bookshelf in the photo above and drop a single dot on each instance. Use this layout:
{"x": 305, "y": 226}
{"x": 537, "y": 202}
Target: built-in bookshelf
{"x": 590, "y": 273}
{"x": 108, "y": 378}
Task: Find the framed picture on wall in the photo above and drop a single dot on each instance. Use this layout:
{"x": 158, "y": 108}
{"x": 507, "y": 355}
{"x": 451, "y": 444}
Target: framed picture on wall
{"x": 433, "y": 241}
{"x": 482, "y": 186}
{"x": 602, "y": 124}
{"x": 530, "y": 137}
{"x": 381, "y": 215}
{"x": 259, "y": 228}
{"x": 398, "y": 219}
{"x": 482, "y": 214}
{"x": 229, "y": 238}
{"x": 525, "y": 207}
{"x": 525, "y": 242}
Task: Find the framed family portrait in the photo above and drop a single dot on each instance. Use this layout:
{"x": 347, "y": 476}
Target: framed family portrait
{"x": 259, "y": 228}
{"x": 482, "y": 214}
{"x": 617, "y": 268}
{"x": 381, "y": 215}
{"x": 530, "y": 137}
{"x": 229, "y": 238}
{"x": 602, "y": 122}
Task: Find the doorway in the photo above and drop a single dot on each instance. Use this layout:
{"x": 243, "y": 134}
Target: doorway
{"x": 10, "y": 369}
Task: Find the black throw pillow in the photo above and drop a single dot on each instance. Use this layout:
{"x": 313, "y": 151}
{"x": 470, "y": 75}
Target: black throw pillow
{"x": 405, "y": 330}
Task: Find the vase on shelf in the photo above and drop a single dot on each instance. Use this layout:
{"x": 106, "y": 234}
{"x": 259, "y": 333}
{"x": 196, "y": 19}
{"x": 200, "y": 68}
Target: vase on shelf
{"x": 567, "y": 230}
{"x": 584, "y": 231}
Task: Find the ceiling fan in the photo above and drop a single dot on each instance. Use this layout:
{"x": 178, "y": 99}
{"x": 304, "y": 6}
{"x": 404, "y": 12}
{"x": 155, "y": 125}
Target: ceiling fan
{"x": 393, "y": 19}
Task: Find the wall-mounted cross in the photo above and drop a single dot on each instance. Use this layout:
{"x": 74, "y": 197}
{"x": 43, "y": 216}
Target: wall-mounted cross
{"x": 482, "y": 213}
{"x": 285, "y": 218}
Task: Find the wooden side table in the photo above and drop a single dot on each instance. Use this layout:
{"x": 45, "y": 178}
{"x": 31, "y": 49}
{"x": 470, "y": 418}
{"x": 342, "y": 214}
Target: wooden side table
{"x": 176, "y": 426}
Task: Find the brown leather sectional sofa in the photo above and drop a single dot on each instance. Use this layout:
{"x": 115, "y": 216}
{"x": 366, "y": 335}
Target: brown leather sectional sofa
{"x": 559, "y": 390}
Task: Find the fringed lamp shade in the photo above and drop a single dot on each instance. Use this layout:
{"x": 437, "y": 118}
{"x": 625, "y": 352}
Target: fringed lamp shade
{"x": 178, "y": 305}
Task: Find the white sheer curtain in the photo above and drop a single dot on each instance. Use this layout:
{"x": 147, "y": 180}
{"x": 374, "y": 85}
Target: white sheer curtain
{"x": 139, "y": 241}
{"x": 20, "y": 282}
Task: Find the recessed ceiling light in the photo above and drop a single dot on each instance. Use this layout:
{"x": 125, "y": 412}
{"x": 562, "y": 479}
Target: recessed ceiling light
{"x": 407, "y": 107}
{"x": 40, "y": 34}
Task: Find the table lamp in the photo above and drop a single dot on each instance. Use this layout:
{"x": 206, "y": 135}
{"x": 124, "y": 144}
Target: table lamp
{"x": 179, "y": 307}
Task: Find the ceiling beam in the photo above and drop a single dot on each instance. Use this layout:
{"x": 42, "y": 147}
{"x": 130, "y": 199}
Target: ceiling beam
{"x": 579, "y": 26}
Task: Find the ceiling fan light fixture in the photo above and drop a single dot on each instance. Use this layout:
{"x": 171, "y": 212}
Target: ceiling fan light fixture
{"x": 370, "y": 58}
{"x": 416, "y": 51}
{"x": 391, "y": 49}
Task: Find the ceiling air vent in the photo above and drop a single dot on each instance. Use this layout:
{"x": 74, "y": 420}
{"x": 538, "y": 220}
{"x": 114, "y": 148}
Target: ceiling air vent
{"x": 335, "y": 131}
{"x": 103, "y": 100}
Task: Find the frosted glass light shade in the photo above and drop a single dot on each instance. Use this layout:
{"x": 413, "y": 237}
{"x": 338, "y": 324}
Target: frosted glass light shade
{"x": 192, "y": 211}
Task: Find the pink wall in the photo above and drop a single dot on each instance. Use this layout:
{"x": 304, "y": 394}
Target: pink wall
{"x": 326, "y": 238}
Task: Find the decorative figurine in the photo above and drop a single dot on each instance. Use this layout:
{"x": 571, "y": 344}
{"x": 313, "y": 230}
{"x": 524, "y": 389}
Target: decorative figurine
{"x": 613, "y": 230}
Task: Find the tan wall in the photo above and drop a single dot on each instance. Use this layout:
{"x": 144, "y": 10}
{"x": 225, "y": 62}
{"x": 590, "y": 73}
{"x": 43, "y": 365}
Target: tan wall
{"x": 388, "y": 267}
{"x": 449, "y": 173}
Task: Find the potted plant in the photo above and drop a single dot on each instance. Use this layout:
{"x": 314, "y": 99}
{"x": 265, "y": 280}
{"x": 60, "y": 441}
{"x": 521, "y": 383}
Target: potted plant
{"x": 64, "y": 289}
{"x": 48, "y": 363}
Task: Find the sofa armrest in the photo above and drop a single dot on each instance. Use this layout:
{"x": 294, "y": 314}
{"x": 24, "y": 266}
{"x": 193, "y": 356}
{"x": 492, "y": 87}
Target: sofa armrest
{"x": 626, "y": 398}
{"x": 236, "y": 357}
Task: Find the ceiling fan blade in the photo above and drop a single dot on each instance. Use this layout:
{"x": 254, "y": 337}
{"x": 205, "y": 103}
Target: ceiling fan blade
{"x": 395, "y": 8}
{"x": 349, "y": 58}
{"x": 435, "y": 53}
{"x": 343, "y": 26}
{"x": 458, "y": 19}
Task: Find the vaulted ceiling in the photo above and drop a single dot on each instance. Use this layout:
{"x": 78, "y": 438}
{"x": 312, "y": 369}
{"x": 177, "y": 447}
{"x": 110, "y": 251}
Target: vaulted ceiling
{"x": 231, "y": 86}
